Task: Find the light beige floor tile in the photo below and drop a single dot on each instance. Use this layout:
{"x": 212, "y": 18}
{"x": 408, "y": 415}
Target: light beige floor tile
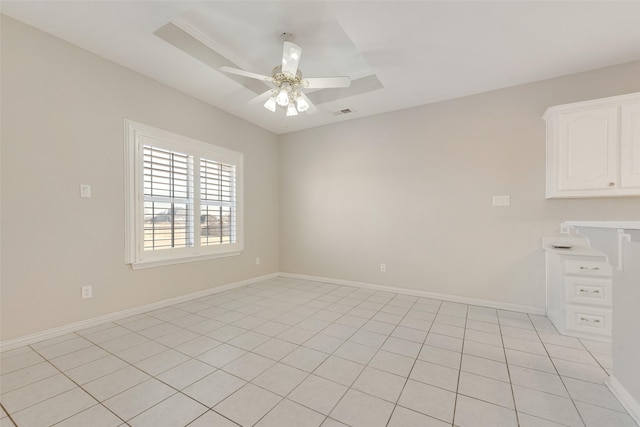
{"x": 20, "y": 361}
{"x": 198, "y": 346}
{"x": 296, "y": 335}
{"x": 538, "y": 380}
{"x": 529, "y": 346}
{"x": 595, "y": 416}
{"x": 485, "y": 367}
{"x": 324, "y": 343}
{"x": 65, "y": 347}
{"x": 36, "y": 392}
{"x": 392, "y": 362}
{"x": 368, "y": 338}
{"x": 305, "y": 358}
{"x": 355, "y": 352}
{"x": 527, "y": 420}
{"x": 340, "y": 331}
{"x": 291, "y": 414}
{"x": 429, "y": 400}
{"x": 177, "y": 410}
{"x": 214, "y": 388}
{"x": 249, "y": 340}
{"x": 440, "y": 356}
{"x": 280, "y": 378}
{"x": 547, "y": 406}
{"x": 186, "y": 373}
{"x": 487, "y": 389}
{"x": 595, "y": 394}
{"x": 530, "y": 360}
{"x": 95, "y": 416}
{"x": 444, "y": 341}
{"x": 381, "y": 384}
{"x": 211, "y": 419}
{"x": 247, "y": 405}
{"x": 139, "y": 398}
{"x": 221, "y": 355}
{"x": 581, "y": 371}
{"x": 248, "y": 366}
{"x": 340, "y": 370}
{"x": 362, "y": 410}
{"x": 448, "y": 330}
{"x": 318, "y": 394}
{"x": 403, "y": 417}
{"x": 484, "y": 350}
{"x": 437, "y": 375}
{"x": 403, "y": 347}
{"x": 124, "y": 342}
{"x": 161, "y": 362}
{"x": 141, "y": 351}
{"x": 55, "y": 409}
{"x": 96, "y": 369}
{"x": 26, "y": 376}
{"x": 572, "y": 354}
{"x": 472, "y": 412}
{"x": 275, "y": 349}
{"x": 115, "y": 382}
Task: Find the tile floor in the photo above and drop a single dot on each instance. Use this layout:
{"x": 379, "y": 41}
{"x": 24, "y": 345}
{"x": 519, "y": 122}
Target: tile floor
{"x": 288, "y": 352}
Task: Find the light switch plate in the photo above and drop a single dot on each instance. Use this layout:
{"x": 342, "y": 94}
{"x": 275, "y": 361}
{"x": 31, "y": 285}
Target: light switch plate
{"x": 501, "y": 200}
{"x": 85, "y": 190}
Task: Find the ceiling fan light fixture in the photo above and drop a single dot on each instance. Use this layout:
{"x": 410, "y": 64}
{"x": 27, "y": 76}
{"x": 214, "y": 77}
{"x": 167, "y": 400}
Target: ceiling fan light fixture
{"x": 270, "y": 104}
{"x": 301, "y": 104}
{"x": 291, "y": 110}
{"x": 283, "y": 96}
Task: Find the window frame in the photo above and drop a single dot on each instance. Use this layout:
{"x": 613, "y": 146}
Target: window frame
{"x": 138, "y": 135}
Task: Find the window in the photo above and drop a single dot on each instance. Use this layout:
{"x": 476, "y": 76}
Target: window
{"x": 183, "y": 198}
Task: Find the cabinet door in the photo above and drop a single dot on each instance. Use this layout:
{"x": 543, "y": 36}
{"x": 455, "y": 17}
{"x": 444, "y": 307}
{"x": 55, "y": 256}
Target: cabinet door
{"x": 588, "y": 149}
{"x": 630, "y": 147}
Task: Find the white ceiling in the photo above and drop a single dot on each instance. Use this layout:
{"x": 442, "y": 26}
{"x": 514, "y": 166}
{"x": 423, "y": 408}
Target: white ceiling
{"x": 399, "y": 54}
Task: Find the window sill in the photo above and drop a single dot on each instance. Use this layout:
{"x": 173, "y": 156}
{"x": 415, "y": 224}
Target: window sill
{"x": 170, "y": 261}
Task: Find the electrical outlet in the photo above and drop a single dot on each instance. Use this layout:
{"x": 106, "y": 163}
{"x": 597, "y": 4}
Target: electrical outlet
{"x": 87, "y": 292}
{"x": 258, "y": 261}
{"x": 383, "y": 268}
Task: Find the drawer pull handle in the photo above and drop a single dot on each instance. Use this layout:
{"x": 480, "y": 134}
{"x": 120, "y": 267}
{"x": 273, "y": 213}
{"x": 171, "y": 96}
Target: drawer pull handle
{"x": 584, "y": 319}
{"x": 589, "y": 268}
{"x": 587, "y": 291}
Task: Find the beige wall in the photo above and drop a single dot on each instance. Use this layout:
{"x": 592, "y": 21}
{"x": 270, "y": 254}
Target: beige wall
{"x": 413, "y": 189}
{"x": 62, "y": 126}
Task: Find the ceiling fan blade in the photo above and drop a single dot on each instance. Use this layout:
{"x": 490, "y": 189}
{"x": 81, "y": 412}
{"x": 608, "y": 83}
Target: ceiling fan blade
{"x": 291, "y": 53}
{"x": 244, "y": 73}
{"x": 326, "y": 82}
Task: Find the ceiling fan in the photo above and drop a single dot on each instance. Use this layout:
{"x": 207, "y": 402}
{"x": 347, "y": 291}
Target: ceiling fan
{"x": 287, "y": 83}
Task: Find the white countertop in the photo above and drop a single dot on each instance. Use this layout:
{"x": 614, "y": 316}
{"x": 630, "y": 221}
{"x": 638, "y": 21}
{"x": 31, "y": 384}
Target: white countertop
{"x": 623, "y": 225}
{"x": 579, "y": 246}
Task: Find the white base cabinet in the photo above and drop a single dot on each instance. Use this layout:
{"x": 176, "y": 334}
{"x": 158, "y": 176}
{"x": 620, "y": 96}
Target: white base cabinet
{"x": 579, "y": 290}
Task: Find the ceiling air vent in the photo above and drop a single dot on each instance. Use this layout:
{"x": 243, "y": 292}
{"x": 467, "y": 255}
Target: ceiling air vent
{"x": 341, "y": 112}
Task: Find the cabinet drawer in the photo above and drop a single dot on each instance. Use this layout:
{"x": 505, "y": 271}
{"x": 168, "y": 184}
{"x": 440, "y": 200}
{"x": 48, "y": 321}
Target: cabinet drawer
{"x": 589, "y": 320}
{"x": 587, "y": 268}
{"x": 587, "y": 290}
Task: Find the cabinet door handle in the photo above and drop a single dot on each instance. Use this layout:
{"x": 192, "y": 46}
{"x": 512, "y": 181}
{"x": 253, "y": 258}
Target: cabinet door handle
{"x": 612, "y": 184}
{"x": 584, "y": 319}
{"x": 582, "y": 267}
{"x": 587, "y": 291}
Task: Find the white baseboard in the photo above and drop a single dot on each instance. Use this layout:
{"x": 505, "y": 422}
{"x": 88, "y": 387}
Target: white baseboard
{"x": 624, "y": 397}
{"x": 73, "y": 327}
{"x": 414, "y": 292}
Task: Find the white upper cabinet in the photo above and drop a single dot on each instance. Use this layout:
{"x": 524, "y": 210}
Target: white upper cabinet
{"x": 630, "y": 145}
{"x": 593, "y": 148}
